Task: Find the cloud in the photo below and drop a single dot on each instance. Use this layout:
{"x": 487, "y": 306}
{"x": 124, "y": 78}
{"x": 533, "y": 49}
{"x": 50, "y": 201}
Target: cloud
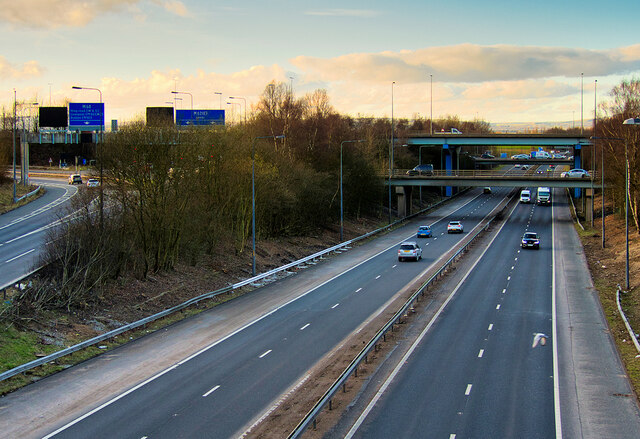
{"x": 471, "y": 63}
{"x": 71, "y": 13}
{"x": 30, "y": 69}
{"x": 175, "y": 7}
{"x": 365, "y": 13}
{"x": 127, "y": 98}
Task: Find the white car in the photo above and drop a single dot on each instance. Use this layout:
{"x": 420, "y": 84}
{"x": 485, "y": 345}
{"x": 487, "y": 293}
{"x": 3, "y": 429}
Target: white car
{"x": 93, "y": 182}
{"x": 525, "y": 196}
{"x": 455, "y": 227}
{"x": 576, "y": 173}
{"x": 409, "y": 250}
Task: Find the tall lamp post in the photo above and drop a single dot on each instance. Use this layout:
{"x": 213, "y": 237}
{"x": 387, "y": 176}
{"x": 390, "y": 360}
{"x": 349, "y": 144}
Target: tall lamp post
{"x": 341, "y": 204}
{"x": 219, "y": 93}
{"x": 184, "y": 93}
{"x": 253, "y": 193}
{"x": 391, "y": 151}
{"x": 76, "y": 87}
{"x": 631, "y": 121}
{"x": 245, "y": 107}
{"x": 232, "y": 104}
{"x": 602, "y": 177}
{"x": 15, "y": 104}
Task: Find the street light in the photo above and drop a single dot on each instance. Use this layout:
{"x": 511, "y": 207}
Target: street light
{"x": 77, "y": 87}
{"x": 341, "y": 204}
{"x": 219, "y": 93}
{"x": 631, "y": 121}
{"x": 232, "y": 104}
{"x": 184, "y": 93}
{"x": 253, "y": 192}
{"x": 391, "y": 151}
{"x": 245, "y": 107}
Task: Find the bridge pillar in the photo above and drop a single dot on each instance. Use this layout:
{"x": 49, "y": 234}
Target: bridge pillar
{"x": 588, "y": 205}
{"x": 448, "y": 166}
{"x": 577, "y": 163}
{"x": 404, "y": 200}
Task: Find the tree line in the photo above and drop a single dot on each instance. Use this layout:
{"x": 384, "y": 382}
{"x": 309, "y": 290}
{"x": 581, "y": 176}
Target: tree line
{"x": 177, "y": 196}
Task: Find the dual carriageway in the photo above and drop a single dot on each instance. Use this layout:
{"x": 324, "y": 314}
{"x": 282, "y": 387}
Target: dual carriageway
{"x": 472, "y": 372}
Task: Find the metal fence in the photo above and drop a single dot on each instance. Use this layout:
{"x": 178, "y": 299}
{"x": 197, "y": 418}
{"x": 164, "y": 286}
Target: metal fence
{"x": 269, "y": 276}
{"x": 352, "y": 369}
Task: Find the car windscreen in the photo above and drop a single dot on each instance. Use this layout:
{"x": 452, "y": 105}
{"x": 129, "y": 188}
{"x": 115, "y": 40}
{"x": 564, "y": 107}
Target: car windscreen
{"x": 530, "y": 236}
{"x": 406, "y": 247}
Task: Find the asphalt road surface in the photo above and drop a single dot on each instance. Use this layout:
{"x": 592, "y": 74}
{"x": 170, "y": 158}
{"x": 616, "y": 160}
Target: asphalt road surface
{"x": 23, "y": 231}
{"x": 222, "y": 388}
{"x": 479, "y": 371}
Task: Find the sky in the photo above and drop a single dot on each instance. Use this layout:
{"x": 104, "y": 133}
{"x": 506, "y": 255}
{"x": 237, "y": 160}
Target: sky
{"x": 495, "y": 60}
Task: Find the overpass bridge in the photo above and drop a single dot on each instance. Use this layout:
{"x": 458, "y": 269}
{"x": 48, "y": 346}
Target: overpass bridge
{"x": 451, "y": 147}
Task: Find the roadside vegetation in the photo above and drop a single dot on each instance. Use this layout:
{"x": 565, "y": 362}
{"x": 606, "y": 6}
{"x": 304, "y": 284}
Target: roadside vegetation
{"x": 176, "y": 217}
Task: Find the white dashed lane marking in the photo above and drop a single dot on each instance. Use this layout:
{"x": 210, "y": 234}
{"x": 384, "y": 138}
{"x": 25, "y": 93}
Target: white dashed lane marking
{"x": 468, "y": 391}
{"x": 265, "y": 354}
{"x": 334, "y": 306}
{"x": 305, "y": 326}
{"x": 210, "y": 391}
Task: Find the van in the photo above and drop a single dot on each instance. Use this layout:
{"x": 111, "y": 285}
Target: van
{"x": 525, "y": 196}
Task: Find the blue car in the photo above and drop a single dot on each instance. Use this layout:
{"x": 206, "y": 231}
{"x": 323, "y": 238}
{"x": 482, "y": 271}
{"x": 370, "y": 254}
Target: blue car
{"x": 424, "y": 232}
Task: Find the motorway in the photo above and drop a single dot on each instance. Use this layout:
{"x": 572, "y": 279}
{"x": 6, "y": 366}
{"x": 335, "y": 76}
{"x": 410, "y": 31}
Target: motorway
{"x": 475, "y": 371}
{"x": 23, "y": 231}
{"x": 223, "y": 388}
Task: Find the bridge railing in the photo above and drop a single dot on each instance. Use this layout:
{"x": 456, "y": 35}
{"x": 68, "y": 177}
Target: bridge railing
{"x": 487, "y": 173}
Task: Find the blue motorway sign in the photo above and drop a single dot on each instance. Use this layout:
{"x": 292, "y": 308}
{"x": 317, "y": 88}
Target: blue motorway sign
{"x": 199, "y": 117}
{"x": 86, "y": 116}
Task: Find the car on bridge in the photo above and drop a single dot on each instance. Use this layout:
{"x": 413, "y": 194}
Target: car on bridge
{"x": 424, "y": 169}
{"x": 520, "y": 157}
{"x": 424, "y": 232}
{"x": 576, "y": 173}
{"x": 455, "y": 227}
{"x": 409, "y": 250}
{"x": 530, "y": 240}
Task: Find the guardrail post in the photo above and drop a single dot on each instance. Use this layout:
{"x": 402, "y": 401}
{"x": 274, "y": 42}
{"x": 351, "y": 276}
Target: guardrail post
{"x": 356, "y": 372}
{"x": 314, "y": 424}
{"x": 330, "y": 405}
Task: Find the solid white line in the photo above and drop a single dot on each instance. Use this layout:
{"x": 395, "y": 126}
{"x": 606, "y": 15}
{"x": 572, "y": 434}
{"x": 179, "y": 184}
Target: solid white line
{"x": 334, "y": 306}
{"x": 360, "y": 289}
{"x": 305, "y": 326}
{"x": 490, "y": 326}
{"x": 468, "y": 391}
{"x": 265, "y": 354}
{"x": 210, "y": 391}
{"x": 481, "y": 353}
{"x": 413, "y": 347}
{"x": 228, "y": 336}
{"x": 19, "y": 256}
{"x": 554, "y": 336}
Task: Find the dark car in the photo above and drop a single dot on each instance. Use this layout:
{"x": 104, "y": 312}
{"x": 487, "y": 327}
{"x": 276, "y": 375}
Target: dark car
{"x": 530, "y": 240}
{"x": 421, "y": 170}
{"x": 487, "y": 155}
